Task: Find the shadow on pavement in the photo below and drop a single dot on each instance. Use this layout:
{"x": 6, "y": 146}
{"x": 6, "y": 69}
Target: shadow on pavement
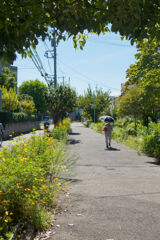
{"x": 74, "y": 133}
{"x": 155, "y": 163}
{"x": 73, "y": 141}
{"x": 112, "y": 149}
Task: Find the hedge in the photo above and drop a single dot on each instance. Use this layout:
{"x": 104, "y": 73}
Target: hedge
{"x": 10, "y": 117}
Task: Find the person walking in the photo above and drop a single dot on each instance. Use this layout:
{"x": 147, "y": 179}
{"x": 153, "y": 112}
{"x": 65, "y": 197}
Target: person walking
{"x": 107, "y": 128}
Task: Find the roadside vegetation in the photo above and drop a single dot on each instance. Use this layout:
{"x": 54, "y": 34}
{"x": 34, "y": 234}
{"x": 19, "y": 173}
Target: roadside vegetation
{"x": 146, "y": 140}
{"x": 30, "y": 180}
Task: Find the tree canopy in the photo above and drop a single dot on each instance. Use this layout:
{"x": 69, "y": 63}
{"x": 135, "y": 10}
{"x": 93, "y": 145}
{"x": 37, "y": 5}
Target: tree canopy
{"x": 61, "y": 101}
{"x": 145, "y": 74}
{"x": 37, "y": 90}
{"x": 94, "y": 103}
{"x": 146, "y": 70}
{"x": 23, "y": 22}
{"x": 8, "y": 78}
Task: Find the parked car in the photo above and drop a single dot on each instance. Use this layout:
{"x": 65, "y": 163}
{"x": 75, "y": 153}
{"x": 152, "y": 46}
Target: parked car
{"x": 48, "y": 119}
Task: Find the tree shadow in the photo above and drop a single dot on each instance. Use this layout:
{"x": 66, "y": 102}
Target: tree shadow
{"x": 155, "y": 163}
{"x": 74, "y": 133}
{"x": 112, "y": 149}
{"x": 73, "y": 141}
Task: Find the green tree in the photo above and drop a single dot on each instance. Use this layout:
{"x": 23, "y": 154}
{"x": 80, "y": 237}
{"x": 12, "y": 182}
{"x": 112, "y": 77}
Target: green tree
{"x": 37, "y": 90}
{"x": 130, "y": 104}
{"x": 8, "y": 78}
{"x": 146, "y": 70}
{"x": 23, "y": 22}
{"x": 9, "y": 99}
{"x": 145, "y": 73}
{"x": 26, "y": 104}
{"x": 94, "y": 103}
{"x": 61, "y": 101}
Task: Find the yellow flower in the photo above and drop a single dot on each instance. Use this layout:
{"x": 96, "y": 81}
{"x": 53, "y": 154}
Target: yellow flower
{"x": 18, "y": 185}
{"x": 6, "y": 212}
{"x": 64, "y": 166}
{"x": 59, "y": 184}
{"x": 3, "y": 159}
{"x": 11, "y": 213}
{"x": 10, "y": 135}
{"x": 6, "y": 220}
{"x": 67, "y": 170}
{"x": 5, "y": 146}
{"x": 66, "y": 183}
{"x": 56, "y": 179}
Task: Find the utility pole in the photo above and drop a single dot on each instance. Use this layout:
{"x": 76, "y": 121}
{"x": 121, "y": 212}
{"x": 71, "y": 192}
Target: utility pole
{"x": 53, "y": 43}
{"x": 94, "y": 109}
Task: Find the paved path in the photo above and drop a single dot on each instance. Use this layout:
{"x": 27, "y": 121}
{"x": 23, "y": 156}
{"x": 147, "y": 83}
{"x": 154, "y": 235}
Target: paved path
{"x": 115, "y": 193}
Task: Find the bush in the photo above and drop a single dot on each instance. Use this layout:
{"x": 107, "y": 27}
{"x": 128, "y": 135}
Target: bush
{"x": 61, "y": 132}
{"x": 87, "y": 123}
{"x": 151, "y": 142}
{"x": 29, "y": 183}
{"x": 10, "y": 117}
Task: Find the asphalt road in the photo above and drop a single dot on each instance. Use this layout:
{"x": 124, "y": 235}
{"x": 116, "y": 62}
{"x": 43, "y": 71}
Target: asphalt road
{"x": 115, "y": 193}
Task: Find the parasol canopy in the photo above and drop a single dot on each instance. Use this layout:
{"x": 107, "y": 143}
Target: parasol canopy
{"x": 106, "y": 119}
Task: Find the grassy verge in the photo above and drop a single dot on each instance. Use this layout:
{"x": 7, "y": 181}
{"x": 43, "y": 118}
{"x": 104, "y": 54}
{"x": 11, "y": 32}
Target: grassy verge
{"x": 29, "y": 182}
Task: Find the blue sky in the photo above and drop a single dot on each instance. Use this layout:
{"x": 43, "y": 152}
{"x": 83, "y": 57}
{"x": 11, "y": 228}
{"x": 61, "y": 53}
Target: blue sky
{"x": 103, "y": 63}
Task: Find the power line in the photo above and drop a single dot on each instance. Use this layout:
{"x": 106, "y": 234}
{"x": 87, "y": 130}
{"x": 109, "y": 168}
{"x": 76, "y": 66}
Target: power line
{"x": 105, "y": 42}
{"x": 84, "y": 76}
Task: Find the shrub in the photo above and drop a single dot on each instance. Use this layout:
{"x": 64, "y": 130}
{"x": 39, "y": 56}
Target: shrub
{"x": 9, "y": 99}
{"x": 87, "y": 123}
{"x": 151, "y": 142}
{"x": 29, "y": 183}
{"x": 59, "y": 133}
{"x": 10, "y": 117}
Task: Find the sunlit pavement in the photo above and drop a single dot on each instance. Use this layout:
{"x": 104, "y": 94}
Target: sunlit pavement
{"x": 113, "y": 194}
{"x": 24, "y": 136}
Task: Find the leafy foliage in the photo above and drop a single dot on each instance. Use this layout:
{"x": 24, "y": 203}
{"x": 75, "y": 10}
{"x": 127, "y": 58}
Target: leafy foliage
{"x": 12, "y": 117}
{"x": 8, "y": 78}
{"x": 23, "y": 22}
{"x": 61, "y": 101}
{"x": 32, "y": 168}
{"x": 37, "y": 90}
{"x": 151, "y": 143}
{"x": 9, "y": 99}
{"x": 27, "y": 106}
{"x": 94, "y": 103}
{"x": 145, "y": 74}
